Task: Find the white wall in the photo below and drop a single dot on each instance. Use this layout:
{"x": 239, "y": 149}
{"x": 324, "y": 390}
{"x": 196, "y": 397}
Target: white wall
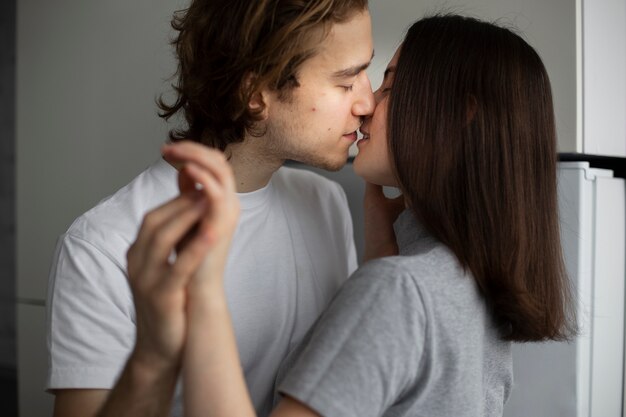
{"x": 87, "y": 77}
{"x": 603, "y": 77}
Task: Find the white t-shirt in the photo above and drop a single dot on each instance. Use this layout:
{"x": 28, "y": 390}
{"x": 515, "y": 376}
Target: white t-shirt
{"x": 292, "y": 249}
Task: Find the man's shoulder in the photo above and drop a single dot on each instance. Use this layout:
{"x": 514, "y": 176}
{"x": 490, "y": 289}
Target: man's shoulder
{"x": 120, "y": 214}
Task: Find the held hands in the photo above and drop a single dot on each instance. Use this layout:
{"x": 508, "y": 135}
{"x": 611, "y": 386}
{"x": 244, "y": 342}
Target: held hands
{"x": 209, "y": 169}
{"x": 380, "y": 214}
{"x": 198, "y": 226}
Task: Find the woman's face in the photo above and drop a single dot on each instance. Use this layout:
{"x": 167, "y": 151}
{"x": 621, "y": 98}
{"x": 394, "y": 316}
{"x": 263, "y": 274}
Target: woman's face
{"x": 372, "y": 163}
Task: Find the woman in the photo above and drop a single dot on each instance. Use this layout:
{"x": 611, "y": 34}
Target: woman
{"x": 464, "y": 126}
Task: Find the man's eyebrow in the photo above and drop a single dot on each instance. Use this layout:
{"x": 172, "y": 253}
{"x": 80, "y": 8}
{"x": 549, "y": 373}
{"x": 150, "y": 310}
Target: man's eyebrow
{"x": 352, "y": 71}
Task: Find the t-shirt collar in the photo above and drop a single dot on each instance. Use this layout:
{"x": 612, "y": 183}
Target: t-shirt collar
{"x": 408, "y": 231}
{"x": 255, "y": 198}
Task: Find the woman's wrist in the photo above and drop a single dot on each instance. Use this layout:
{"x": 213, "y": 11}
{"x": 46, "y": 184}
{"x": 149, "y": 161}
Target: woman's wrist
{"x": 206, "y": 295}
{"x": 146, "y": 368}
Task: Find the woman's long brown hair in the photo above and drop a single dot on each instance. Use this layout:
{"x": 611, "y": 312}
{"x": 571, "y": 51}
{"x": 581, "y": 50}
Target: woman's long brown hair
{"x": 473, "y": 139}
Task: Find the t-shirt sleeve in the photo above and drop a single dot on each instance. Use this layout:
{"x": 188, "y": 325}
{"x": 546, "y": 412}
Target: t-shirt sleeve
{"x": 364, "y": 351}
{"x": 90, "y": 317}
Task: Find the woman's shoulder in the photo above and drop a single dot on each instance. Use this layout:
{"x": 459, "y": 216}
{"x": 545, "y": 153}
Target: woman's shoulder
{"x": 388, "y": 283}
{"x": 433, "y": 280}
{"x": 436, "y": 264}
{"x": 390, "y": 271}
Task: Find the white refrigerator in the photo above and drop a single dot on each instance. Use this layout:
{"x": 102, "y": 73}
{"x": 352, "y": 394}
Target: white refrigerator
{"x": 583, "y": 378}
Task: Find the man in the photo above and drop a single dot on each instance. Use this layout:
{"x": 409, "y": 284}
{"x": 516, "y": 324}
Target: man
{"x": 264, "y": 81}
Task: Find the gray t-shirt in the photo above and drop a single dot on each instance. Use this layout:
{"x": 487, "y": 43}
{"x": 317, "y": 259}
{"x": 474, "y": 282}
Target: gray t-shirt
{"x": 408, "y": 335}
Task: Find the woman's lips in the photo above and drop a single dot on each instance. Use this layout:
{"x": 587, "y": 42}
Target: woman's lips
{"x": 351, "y": 136}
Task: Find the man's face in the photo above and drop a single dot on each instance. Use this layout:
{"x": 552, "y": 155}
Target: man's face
{"x": 318, "y": 123}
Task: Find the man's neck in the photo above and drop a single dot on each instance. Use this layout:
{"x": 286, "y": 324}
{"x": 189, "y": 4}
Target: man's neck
{"x": 253, "y": 166}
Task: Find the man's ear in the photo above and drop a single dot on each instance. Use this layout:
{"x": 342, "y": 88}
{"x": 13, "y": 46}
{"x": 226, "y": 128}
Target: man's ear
{"x": 258, "y": 99}
{"x": 258, "y": 102}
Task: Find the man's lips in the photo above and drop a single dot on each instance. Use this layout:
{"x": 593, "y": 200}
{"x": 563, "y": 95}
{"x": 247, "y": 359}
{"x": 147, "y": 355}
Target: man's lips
{"x": 351, "y": 136}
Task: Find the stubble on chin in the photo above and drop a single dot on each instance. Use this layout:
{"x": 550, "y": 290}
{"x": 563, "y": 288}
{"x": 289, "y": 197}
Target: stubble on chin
{"x": 279, "y": 143}
{"x": 285, "y": 151}
{"x": 335, "y": 165}
{"x": 319, "y": 161}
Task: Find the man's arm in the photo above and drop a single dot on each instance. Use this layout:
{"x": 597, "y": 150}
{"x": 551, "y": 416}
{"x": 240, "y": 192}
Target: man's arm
{"x": 78, "y": 402}
{"x": 146, "y": 385}
{"x": 141, "y": 390}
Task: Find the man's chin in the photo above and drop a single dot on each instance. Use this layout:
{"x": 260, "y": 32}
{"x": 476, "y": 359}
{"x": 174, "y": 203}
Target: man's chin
{"x": 325, "y": 164}
{"x": 332, "y": 166}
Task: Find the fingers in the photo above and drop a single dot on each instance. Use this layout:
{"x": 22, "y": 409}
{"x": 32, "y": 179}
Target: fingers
{"x": 153, "y": 220}
{"x": 207, "y": 172}
{"x": 185, "y": 183}
{"x": 172, "y": 230}
{"x": 188, "y": 260}
{"x": 161, "y": 229}
{"x": 210, "y": 169}
{"x": 209, "y": 159}
{"x": 212, "y": 190}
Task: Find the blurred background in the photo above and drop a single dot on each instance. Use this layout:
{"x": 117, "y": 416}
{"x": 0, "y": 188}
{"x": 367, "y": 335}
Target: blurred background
{"x": 78, "y": 83}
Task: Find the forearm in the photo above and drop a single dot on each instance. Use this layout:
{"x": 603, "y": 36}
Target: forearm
{"x": 143, "y": 389}
{"x": 213, "y": 379}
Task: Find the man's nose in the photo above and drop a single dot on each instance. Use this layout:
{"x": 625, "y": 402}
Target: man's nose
{"x": 365, "y": 103}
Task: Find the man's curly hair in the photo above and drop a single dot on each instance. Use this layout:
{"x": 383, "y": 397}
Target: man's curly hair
{"x": 229, "y": 49}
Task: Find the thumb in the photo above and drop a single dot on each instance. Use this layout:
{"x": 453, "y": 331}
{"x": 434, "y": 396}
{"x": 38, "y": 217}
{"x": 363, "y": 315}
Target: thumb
{"x": 186, "y": 182}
